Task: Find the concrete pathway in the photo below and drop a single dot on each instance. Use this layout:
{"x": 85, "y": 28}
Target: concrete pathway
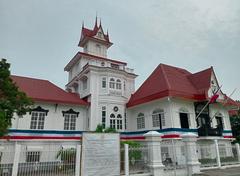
{"x": 235, "y": 171}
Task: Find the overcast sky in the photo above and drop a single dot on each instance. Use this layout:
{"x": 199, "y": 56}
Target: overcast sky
{"x": 39, "y": 37}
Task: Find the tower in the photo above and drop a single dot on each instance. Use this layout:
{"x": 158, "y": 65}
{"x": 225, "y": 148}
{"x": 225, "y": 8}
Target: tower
{"x": 105, "y": 83}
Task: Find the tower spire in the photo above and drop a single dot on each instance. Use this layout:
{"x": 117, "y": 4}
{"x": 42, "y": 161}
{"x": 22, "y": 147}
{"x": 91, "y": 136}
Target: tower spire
{"x": 96, "y": 25}
{"x": 82, "y": 24}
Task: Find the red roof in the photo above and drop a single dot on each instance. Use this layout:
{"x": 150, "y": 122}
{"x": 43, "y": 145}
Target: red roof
{"x": 88, "y": 33}
{"x": 45, "y": 91}
{"x": 172, "y": 81}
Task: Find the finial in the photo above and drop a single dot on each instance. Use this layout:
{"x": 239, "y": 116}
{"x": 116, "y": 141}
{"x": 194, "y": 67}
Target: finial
{"x": 82, "y": 24}
{"x": 96, "y": 22}
{"x": 100, "y": 22}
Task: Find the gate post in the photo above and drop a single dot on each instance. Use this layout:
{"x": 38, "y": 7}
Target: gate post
{"x": 193, "y": 164}
{"x": 154, "y": 139}
{"x": 78, "y": 160}
{"x": 16, "y": 159}
{"x": 217, "y": 153}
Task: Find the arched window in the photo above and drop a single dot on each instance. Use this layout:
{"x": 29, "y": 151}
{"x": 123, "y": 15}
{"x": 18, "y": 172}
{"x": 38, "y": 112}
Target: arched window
{"x": 112, "y": 121}
{"x": 184, "y": 116}
{"x": 140, "y": 121}
{"x": 112, "y": 83}
{"x": 118, "y": 84}
{"x": 158, "y": 118}
{"x": 119, "y": 122}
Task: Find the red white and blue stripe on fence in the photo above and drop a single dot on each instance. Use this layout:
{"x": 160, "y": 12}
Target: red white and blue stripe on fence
{"x": 17, "y": 134}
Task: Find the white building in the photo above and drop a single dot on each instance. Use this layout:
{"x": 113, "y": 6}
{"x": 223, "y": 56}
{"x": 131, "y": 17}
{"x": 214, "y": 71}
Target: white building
{"x": 101, "y": 90}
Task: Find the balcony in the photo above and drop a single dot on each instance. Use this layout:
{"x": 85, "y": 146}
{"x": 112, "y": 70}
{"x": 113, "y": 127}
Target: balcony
{"x": 208, "y": 131}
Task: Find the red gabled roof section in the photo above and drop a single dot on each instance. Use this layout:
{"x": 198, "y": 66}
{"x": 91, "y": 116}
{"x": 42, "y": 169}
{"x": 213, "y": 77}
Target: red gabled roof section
{"x": 45, "y": 91}
{"x": 201, "y": 80}
{"x": 90, "y": 33}
{"x": 172, "y": 81}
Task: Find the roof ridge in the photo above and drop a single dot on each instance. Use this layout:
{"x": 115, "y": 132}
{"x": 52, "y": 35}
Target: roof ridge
{"x": 164, "y": 76}
{"x": 30, "y": 77}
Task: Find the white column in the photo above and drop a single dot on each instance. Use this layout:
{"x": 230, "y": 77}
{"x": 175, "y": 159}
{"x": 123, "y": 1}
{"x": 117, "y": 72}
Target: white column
{"x": 78, "y": 161}
{"x": 193, "y": 164}
{"x": 16, "y": 159}
{"x": 238, "y": 151}
{"x": 155, "y": 159}
{"x": 126, "y": 160}
{"x": 217, "y": 153}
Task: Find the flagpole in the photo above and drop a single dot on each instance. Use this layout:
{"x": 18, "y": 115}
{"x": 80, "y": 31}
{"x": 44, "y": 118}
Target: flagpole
{"x": 207, "y": 103}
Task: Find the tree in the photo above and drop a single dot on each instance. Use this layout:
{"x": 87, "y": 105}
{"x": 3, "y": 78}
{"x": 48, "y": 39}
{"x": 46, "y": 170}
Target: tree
{"x": 12, "y": 100}
{"x": 235, "y": 123}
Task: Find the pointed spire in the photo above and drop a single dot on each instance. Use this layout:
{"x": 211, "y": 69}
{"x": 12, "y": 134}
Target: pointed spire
{"x": 100, "y": 25}
{"x": 96, "y": 25}
{"x": 82, "y": 24}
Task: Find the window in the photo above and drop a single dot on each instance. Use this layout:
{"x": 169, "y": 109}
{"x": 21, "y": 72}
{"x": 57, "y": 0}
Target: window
{"x": 158, "y": 119}
{"x": 184, "y": 118}
{"x": 119, "y": 122}
{"x": 104, "y": 82}
{"x": 112, "y": 121}
{"x": 32, "y": 156}
{"x": 118, "y": 84}
{"x": 70, "y": 121}
{"x": 125, "y": 120}
{"x": 37, "y": 120}
{"x": 84, "y": 83}
{"x": 219, "y": 120}
{"x": 112, "y": 83}
{"x": 104, "y": 116}
{"x": 140, "y": 121}
{"x": 115, "y": 66}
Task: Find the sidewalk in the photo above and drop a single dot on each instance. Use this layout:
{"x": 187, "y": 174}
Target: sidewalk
{"x": 235, "y": 171}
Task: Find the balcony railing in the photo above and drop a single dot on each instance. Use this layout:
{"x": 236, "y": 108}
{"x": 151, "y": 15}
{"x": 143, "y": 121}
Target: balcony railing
{"x": 208, "y": 131}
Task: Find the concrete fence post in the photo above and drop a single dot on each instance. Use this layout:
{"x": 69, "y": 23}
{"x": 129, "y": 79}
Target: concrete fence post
{"x": 16, "y": 159}
{"x": 217, "y": 153}
{"x": 154, "y": 139}
{"x": 78, "y": 161}
{"x": 126, "y": 160}
{"x": 238, "y": 151}
{"x": 193, "y": 164}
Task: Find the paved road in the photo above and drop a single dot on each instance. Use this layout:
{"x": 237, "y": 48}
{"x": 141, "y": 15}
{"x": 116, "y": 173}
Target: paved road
{"x": 235, "y": 171}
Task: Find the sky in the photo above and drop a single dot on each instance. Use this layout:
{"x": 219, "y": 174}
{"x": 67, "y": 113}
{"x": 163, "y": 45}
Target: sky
{"x": 39, "y": 37}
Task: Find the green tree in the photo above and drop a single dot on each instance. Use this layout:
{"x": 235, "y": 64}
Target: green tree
{"x": 235, "y": 123}
{"x": 12, "y": 100}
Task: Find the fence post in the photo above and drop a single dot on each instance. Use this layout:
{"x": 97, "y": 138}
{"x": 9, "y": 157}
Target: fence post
{"x": 155, "y": 158}
{"x": 193, "y": 164}
{"x": 217, "y": 153}
{"x": 16, "y": 159}
{"x": 78, "y": 161}
{"x": 126, "y": 160}
{"x": 238, "y": 151}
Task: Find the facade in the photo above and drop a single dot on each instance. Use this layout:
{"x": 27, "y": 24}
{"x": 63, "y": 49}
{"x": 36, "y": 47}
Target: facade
{"x": 101, "y": 90}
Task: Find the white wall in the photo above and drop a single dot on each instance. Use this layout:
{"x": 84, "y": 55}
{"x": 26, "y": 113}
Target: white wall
{"x": 54, "y": 119}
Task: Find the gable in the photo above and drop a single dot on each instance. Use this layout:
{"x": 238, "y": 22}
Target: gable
{"x": 214, "y": 86}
